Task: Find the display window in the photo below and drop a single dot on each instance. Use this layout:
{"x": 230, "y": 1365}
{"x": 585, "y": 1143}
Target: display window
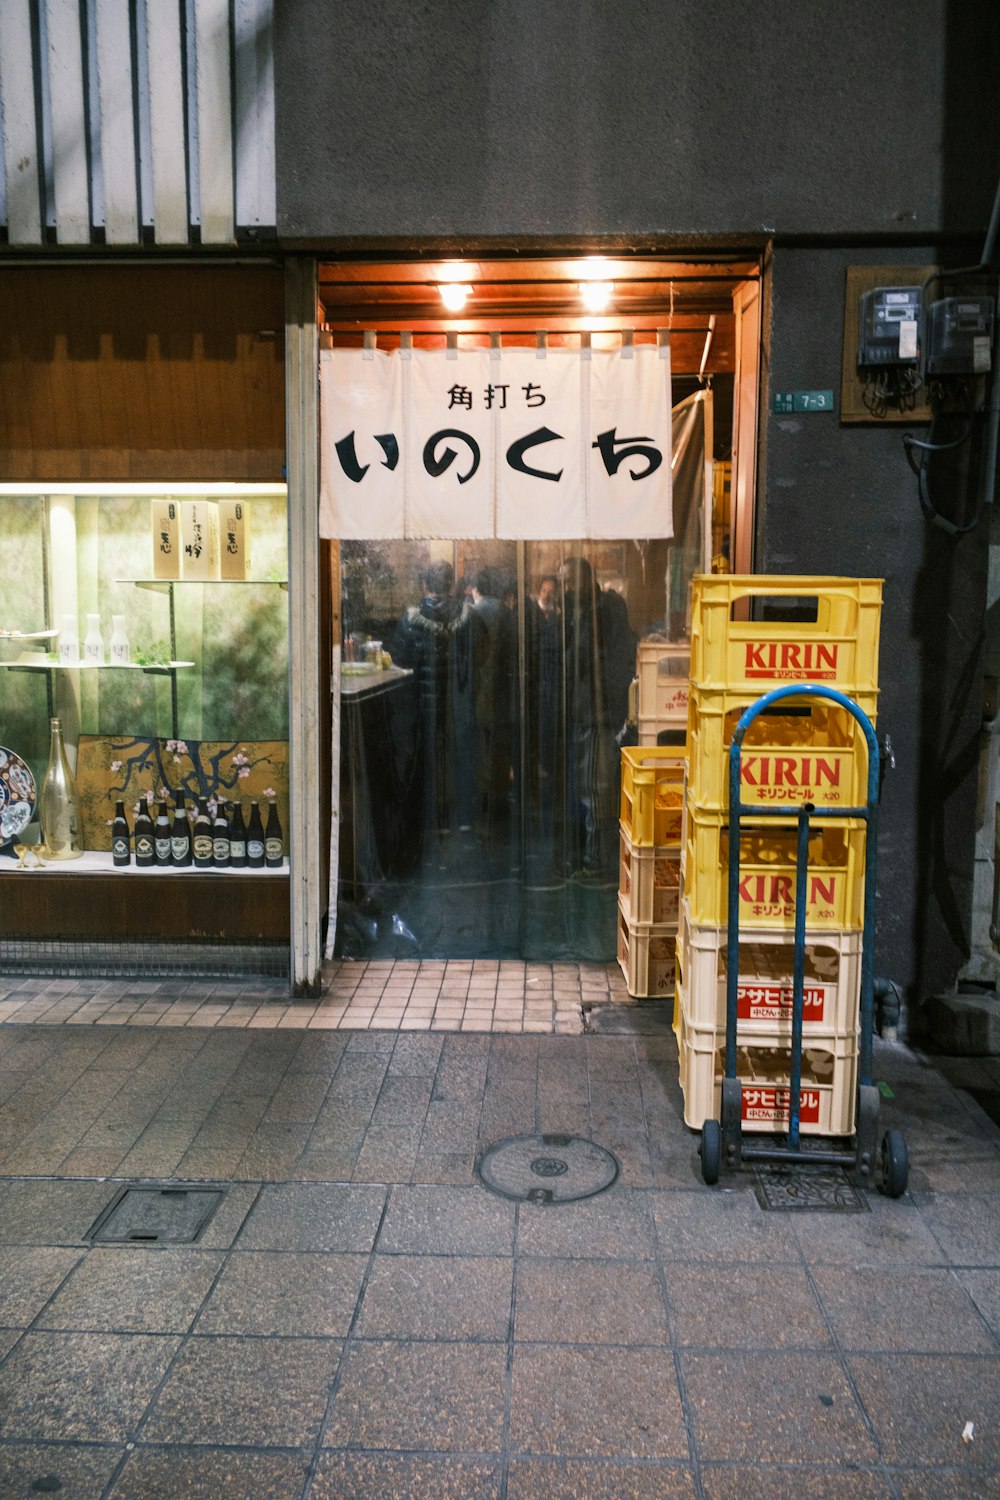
{"x": 144, "y": 676}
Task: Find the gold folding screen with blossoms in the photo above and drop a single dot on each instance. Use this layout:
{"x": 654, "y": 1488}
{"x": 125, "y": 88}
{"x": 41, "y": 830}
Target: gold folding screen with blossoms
{"x": 130, "y": 769}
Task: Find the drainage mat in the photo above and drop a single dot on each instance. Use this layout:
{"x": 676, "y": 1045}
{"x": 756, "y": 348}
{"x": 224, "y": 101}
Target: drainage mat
{"x": 813, "y": 1189}
{"x": 547, "y": 1168}
{"x": 156, "y": 1216}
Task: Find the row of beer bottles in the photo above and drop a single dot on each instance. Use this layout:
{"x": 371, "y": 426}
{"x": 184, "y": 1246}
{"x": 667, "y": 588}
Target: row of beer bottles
{"x": 219, "y": 842}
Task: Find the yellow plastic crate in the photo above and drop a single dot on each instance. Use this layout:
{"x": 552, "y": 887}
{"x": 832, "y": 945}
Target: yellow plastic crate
{"x": 818, "y": 755}
{"x": 649, "y": 881}
{"x": 829, "y": 1080}
{"x": 834, "y": 877}
{"x": 838, "y": 649}
{"x": 831, "y": 990}
{"x": 652, "y": 796}
{"x": 647, "y": 957}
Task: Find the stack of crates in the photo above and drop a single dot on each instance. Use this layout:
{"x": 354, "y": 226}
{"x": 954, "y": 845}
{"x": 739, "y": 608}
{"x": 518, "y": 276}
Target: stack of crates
{"x": 652, "y": 807}
{"x": 663, "y": 670}
{"x": 803, "y": 751}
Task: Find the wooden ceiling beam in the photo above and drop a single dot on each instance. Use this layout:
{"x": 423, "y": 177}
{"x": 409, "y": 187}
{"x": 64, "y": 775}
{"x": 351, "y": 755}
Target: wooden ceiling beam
{"x": 516, "y": 271}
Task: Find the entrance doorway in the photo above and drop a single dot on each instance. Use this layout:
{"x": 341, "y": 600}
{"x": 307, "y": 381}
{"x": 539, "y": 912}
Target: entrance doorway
{"x": 478, "y": 778}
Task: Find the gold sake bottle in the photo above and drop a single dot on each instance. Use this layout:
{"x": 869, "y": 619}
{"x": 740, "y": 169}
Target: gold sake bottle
{"x": 58, "y": 806}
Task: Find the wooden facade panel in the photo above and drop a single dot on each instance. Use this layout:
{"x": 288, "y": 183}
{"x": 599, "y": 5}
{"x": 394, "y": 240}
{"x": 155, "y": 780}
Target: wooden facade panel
{"x": 206, "y": 906}
{"x": 146, "y": 372}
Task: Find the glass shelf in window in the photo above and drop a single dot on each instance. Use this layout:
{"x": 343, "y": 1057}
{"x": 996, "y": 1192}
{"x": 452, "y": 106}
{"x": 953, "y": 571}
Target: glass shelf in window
{"x": 162, "y": 585}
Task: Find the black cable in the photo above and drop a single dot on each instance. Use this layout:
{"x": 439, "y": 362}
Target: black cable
{"x": 910, "y": 442}
{"x": 919, "y": 467}
{"x": 935, "y": 517}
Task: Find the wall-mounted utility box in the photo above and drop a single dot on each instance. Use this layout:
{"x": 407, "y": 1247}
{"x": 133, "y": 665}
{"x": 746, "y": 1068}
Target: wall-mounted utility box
{"x": 861, "y": 282}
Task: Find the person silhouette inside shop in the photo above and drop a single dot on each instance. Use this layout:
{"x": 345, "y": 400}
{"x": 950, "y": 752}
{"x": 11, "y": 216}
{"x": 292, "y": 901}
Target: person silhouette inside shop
{"x": 436, "y": 640}
{"x": 543, "y": 701}
{"x": 599, "y": 666}
{"x": 495, "y": 667}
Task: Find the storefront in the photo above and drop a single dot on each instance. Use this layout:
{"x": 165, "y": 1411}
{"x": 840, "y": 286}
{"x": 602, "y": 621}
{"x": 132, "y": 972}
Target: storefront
{"x": 176, "y": 239}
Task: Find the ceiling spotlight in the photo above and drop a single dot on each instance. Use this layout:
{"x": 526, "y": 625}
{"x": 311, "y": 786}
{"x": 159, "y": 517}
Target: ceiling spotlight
{"x": 596, "y": 295}
{"x": 454, "y": 295}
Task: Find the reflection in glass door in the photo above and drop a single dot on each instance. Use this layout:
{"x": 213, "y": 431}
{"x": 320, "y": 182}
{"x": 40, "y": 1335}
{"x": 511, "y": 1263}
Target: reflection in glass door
{"x": 480, "y": 781}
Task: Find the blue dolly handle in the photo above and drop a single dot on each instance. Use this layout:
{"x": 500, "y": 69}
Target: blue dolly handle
{"x": 724, "y": 1145}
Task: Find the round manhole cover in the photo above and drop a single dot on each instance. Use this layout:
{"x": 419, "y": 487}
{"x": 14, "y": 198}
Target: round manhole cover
{"x": 547, "y": 1168}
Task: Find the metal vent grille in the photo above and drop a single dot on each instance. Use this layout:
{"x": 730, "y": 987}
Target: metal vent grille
{"x": 156, "y": 1216}
{"x": 142, "y": 958}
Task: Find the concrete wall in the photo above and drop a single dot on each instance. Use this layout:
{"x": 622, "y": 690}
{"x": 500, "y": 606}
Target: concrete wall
{"x": 837, "y": 498}
{"x": 552, "y": 119}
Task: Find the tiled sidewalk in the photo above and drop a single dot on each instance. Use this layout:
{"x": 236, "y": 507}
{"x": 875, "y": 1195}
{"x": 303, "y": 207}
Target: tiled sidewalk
{"x": 363, "y": 1320}
{"x": 453, "y": 995}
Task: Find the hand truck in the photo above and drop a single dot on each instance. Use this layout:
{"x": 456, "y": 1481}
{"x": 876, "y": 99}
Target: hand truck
{"x": 722, "y": 1146}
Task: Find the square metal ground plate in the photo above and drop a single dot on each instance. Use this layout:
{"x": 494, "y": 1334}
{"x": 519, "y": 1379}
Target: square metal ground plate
{"x": 813, "y": 1189}
{"x": 156, "y": 1216}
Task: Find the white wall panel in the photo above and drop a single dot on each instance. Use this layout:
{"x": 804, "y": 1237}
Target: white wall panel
{"x": 167, "y": 130}
{"x": 20, "y": 139}
{"x": 253, "y": 113}
{"x": 98, "y": 135}
{"x": 69, "y": 155}
{"x": 114, "y": 71}
{"x": 215, "y": 141}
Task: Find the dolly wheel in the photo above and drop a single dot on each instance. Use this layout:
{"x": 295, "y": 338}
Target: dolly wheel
{"x": 894, "y": 1165}
{"x": 711, "y": 1151}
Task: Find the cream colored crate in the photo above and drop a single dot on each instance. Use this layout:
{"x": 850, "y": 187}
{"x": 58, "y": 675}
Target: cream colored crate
{"x": 834, "y": 875}
{"x": 839, "y": 648}
{"x": 647, "y": 956}
{"x": 831, "y": 989}
{"x": 663, "y": 679}
{"x": 829, "y": 1080}
{"x": 664, "y": 672}
{"x": 648, "y": 881}
{"x": 652, "y": 794}
{"x": 818, "y": 754}
{"x": 648, "y": 731}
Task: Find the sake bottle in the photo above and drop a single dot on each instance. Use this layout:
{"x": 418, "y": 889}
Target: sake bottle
{"x": 237, "y": 837}
{"x": 145, "y": 850}
{"x": 220, "y": 838}
{"x": 120, "y": 653}
{"x": 180, "y": 834}
{"x": 121, "y": 849}
{"x": 93, "y": 642}
{"x": 161, "y": 835}
{"x": 69, "y": 642}
{"x": 202, "y": 837}
{"x": 58, "y": 806}
{"x": 255, "y": 838}
{"x": 274, "y": 849}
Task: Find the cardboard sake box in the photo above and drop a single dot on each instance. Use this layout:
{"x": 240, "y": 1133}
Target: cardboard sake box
{"x": 200, "y": 538}
{"x": 165, "y": 519}
{"x": 234, "y": 540}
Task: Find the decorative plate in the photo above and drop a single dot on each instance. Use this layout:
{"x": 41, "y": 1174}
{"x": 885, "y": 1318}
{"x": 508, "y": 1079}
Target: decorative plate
{"x": 17, "y": 795}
